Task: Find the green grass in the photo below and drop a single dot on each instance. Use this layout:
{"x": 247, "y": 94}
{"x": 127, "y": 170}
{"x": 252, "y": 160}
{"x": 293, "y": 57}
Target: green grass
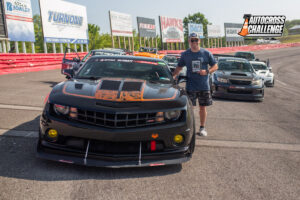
{"x": 290, "y": 39}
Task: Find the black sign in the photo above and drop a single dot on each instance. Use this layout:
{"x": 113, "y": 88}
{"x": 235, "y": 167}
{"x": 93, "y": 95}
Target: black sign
{"x": 146, "y": 27}
{"x": 3, "y": 30}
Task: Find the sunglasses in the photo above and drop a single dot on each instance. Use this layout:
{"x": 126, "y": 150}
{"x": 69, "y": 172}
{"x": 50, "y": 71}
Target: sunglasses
{"x": 194, "y": 40}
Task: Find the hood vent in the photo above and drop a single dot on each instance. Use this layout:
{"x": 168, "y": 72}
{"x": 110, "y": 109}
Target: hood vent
{"x": 132, "y": 86}
{"x": 78, "y": 86}
{"x": 238, "y": 74}
{"x": 110, "y": 85}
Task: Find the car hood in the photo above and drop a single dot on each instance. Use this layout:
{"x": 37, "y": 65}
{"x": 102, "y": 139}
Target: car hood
{"x": 238, "y": 75}
{"x": 262, "y": 73}
{"x": 123, "y": 93}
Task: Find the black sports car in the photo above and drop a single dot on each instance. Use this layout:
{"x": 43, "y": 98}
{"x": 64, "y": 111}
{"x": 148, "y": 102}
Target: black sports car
{"x": 236, "y": 79}
{"x": 118, "y": 111}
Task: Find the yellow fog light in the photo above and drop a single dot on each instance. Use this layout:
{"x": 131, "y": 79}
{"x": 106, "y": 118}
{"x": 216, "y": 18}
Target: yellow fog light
{"x": 178, "y": 139}
{"x": 52, "y": 133}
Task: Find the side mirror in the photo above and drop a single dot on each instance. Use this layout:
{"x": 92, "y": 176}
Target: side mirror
{"x": 270, "y": 69}
{"x": 76, "y": 59}
{"x": 256, "y": 59}
{"x": 69, "y": 73}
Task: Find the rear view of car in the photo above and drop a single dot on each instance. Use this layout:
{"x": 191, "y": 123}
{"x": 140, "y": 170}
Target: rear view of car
{"x": 236, "y": 79}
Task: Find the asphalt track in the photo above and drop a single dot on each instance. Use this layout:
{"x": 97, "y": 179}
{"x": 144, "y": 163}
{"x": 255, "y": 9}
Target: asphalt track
{"x": 252, "y": 151}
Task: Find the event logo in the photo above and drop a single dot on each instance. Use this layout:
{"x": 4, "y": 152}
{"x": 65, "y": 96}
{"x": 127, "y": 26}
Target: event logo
{"x": 64, "y": 18}
{"x": 262, "y": 25}
{"x": 17, "y": 6}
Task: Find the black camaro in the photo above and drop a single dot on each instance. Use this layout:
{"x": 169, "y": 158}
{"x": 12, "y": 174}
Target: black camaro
{"x": 118, "y": 111}
{"x": 236, "y": 79}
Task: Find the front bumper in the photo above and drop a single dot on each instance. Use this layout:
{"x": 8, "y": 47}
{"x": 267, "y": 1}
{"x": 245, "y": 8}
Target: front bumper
{"x": 238, "y": 92}
{"x": 90, "y": 135}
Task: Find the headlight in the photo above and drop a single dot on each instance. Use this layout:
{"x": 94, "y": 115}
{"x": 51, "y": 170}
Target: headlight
{"x": 60, "y": 109}
{"x": 222, "y": 80}
{"x": 172, "y": 115}
{"x": 256, "y": 82}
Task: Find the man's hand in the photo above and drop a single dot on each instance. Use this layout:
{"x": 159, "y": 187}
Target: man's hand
{"x": 202, "y": 72}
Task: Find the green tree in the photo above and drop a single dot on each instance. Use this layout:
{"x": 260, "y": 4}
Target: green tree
{"x": 94, "y": 35}
{"x": 197, "y": 18}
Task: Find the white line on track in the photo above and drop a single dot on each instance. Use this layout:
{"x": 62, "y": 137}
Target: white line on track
{"x": 19, "y": 107}
{"x": 281, "y": 82}
{"x": 199, "y": 142}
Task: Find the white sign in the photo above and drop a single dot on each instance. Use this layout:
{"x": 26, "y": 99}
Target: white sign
{"x": 121, "y": 24}
{"x": 232, "y": 32}
{"x": 64, "y": 22}
{"x": 19, "y": 20}
{"x": 171, "y": 29}
{"x": 213, "y": 31}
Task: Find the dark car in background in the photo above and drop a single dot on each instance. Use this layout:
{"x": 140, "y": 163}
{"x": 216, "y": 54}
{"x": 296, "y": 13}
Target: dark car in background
{"x": 76, "y": 63}
{"x": 118, "y": 111}
{"x": 236, "y": 79}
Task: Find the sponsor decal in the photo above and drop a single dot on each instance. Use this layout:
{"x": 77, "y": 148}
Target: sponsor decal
{"x": 262, "y": 25}
{"x": 64, "y": 18}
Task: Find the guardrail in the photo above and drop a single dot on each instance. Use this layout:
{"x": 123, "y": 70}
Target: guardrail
{"x": 18, "y": 63}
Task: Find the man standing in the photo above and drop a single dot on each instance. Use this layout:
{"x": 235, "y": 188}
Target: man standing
{"x": 196, "y": 60}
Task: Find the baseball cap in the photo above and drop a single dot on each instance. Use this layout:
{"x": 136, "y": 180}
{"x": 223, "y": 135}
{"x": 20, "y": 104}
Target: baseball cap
{"x": 194, "y": 35}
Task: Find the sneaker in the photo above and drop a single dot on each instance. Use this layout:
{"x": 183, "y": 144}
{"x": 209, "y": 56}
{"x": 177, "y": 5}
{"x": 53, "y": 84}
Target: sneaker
{"x": 202, "y": 132}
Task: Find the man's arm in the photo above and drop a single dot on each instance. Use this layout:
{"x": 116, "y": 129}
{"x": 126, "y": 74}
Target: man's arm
{"x": 176, "y": 72}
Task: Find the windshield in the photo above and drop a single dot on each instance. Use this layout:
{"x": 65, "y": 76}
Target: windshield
{"x": 121, "y": 68}
{"x": 234, "y": 65}
{"x": 248, "y": 56}
{"x": 106, "y": 53}
{"x": 259, "y": 67}
{"x": 170, "y": 59}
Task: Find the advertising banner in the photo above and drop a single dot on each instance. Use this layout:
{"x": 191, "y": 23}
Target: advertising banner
{"x": 213, "y": 31}
{"x": 196, "y": 28}
{"x": 146, "y": 27}
{"x": 171, "y": 29}
{"x": 64, "y": 22}
{"x": 18, "y": 14}
{"x": 121, "y": 24}
{"x": 231, "y": 32}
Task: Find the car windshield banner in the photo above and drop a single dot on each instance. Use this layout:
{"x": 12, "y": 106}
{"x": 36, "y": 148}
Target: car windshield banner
{"x": 196, "y": 28}
{"x": 19, "y": 20}
{"x": 121, "y": 24}
{"x": 213, "y": 31}
{"x": 231, "y": 32}
{"x": 64, "y": 22}
{"x": 171, "y": 29}
{"x": 146, "y": 27}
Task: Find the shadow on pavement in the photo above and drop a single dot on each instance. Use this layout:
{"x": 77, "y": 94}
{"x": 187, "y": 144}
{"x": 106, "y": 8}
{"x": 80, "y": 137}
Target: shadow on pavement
{"x": 18, "y": 160}
{"x": 50, "y": 83}
{"x": 234, "y": 100}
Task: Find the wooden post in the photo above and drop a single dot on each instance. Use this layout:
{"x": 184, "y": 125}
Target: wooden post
{"x": 32, "y": 47}
{"x": 24, "y": 47}
{"x": 208, "y": 45}
{"x": 152, "y": 42}
{"x": 112, "y": 36}
{"x": 61, "y": 48}
{"x": 45, "y": 47}
{"x": 144, "y": 42}
{"x": 140, "y": 41}
{"x": 4, "y": 46}
{"x": 81, "y": 47}
{"x": 54, "y": 47}
{"x": 119, "y": 42}
{"x": 69, "y": 48}
{"x": 87, "y": 47}
{"x": 17, "y": 46}
{"x": 8, "y": 46}
{"x": 155, "y": 42}
{"x": 129, "y": 44}
{"x": 124, "y": 40}
{"x": 132, "y": 44}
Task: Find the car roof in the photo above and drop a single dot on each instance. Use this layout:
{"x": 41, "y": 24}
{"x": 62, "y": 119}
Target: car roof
{"x": 257, "y": 62}
{"x": 106, "y": 50}
{"x": 244, "y": 52}
{"x": 149, "y": 59}
{"x": 232, "y": 58}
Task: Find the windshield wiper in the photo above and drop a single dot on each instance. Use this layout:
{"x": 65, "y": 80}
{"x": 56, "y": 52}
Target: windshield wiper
{"x": 89, "y": 77}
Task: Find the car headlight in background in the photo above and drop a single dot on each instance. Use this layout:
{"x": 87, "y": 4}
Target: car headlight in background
{"x": 172, "y": 115}
{"x": 222, "y": 80}
{"x": 60, "y": 109}
{"x": 256, "y": 82}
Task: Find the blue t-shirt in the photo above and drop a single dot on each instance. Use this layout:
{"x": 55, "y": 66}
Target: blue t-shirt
{"x": 195, "y": 61}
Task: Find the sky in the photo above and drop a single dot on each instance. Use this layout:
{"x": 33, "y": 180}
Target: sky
{"x": 216, "y": 11}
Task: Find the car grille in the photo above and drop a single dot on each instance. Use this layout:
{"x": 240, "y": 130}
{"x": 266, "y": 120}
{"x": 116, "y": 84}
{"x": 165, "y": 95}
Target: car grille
{"x": 112, "y": 120}
{"x": 240, "y": 91}
{"x": 239, "y": 82}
